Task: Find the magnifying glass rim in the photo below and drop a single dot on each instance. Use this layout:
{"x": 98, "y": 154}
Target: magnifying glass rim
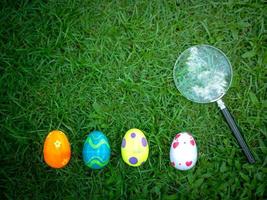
{"x": 203, "y": 45}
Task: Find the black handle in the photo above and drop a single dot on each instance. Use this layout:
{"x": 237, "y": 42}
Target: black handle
{"x": 232, "y": 124}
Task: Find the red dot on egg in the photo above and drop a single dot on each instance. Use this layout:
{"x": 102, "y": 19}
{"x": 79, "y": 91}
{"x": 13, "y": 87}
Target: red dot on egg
{"x": 188, "y": 163}
{"x": 177, "y": 136}
{"x": 175, "y": 144}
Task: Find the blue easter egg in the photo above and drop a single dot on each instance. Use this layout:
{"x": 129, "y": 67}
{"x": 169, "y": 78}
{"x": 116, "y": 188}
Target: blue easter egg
{"x": 96, "y": 150}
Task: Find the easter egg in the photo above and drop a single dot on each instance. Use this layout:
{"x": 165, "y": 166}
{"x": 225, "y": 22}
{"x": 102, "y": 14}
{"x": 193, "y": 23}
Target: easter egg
{"x": 134, "y": 147}
{"x": 96, "y": 150}
{"x": 183, "y": 152}
{"x": 57, "y": 150}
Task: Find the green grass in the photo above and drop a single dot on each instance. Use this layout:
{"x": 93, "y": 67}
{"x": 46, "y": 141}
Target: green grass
{"x": 78, "y": 66}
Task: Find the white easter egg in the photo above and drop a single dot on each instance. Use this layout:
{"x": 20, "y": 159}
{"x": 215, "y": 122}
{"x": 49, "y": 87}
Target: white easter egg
{"x": 183, "y": 151}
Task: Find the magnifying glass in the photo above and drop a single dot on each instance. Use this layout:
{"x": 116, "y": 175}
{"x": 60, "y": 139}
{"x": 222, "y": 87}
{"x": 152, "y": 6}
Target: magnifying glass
{"x": 203, "y": 74}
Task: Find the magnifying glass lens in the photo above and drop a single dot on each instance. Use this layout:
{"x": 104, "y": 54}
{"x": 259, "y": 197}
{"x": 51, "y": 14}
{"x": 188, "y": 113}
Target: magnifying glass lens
{"x": 202, "y": 73}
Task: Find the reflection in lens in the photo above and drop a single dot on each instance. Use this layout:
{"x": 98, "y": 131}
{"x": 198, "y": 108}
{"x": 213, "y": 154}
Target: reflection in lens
{"x": 202, "y": 73}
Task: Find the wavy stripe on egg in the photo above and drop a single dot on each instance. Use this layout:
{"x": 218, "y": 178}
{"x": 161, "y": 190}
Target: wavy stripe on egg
{"x": 99, "y": 144}
{"x": 96, "y": 160}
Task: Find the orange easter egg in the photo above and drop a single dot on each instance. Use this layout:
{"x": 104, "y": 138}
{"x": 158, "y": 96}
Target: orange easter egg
{"x": 57, "y": 149}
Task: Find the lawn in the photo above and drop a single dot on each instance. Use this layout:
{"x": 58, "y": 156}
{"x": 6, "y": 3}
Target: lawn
{"x": 79, "y": 66}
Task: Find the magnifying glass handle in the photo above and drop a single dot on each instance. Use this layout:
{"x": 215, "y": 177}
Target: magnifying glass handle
{"x": 232, "y": 124}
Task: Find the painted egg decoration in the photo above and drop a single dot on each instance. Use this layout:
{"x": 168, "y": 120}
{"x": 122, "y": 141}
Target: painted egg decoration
{"x": 134, "y": 147}
{"x": 57, "y": 150}
{"x": 96, "y": 150}
{"x": 183, "y": 152}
